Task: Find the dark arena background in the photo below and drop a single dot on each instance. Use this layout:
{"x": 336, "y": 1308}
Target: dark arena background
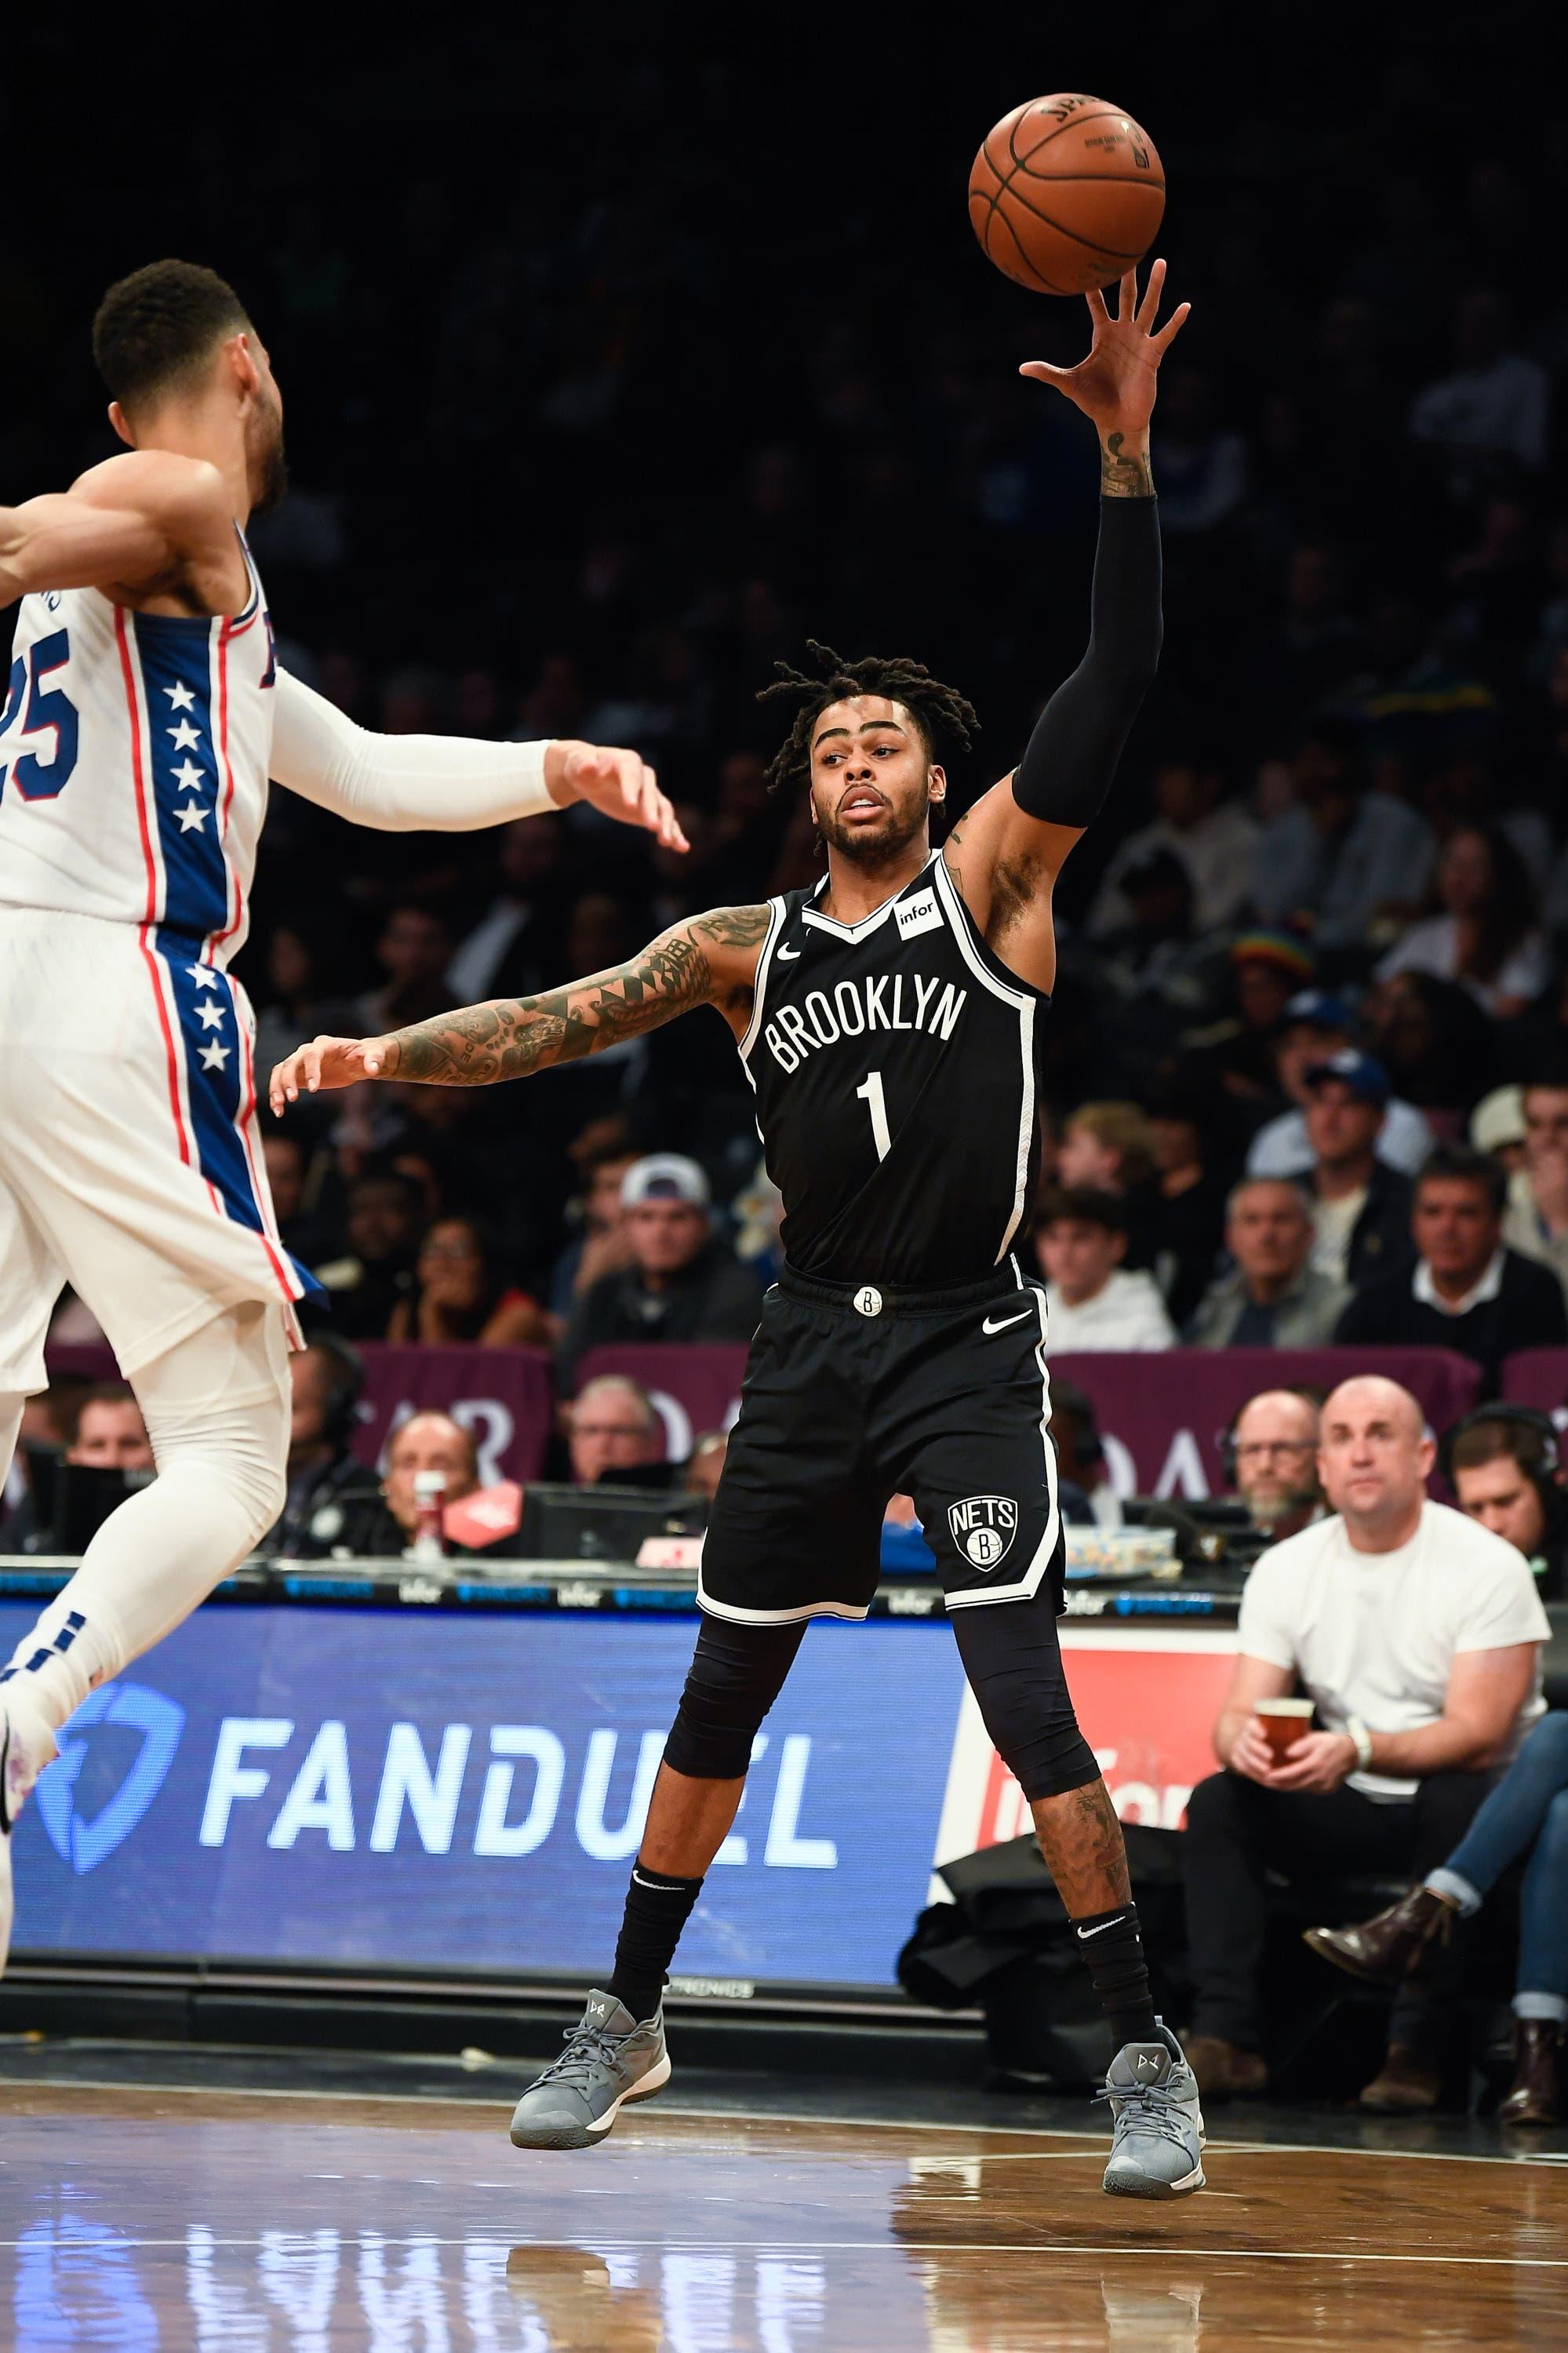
{"x": 618, "y": 362}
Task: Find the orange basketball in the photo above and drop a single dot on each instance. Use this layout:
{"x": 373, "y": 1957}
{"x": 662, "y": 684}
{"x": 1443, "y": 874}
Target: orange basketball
{"x": 1066, "y": 193}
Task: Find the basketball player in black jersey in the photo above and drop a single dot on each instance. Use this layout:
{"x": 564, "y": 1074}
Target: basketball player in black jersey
{"x": 890, "y": 1023}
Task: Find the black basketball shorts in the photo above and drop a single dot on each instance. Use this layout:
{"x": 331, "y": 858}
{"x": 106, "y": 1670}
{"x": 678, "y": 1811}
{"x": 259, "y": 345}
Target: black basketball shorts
{"x": 852, "y": 1396}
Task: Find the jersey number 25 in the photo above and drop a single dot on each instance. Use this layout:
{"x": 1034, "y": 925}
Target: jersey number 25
{"x": 33, "y": 704}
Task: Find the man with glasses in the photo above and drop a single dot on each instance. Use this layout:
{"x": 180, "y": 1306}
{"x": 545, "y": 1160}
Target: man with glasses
{"x": 1273, "y": 1457}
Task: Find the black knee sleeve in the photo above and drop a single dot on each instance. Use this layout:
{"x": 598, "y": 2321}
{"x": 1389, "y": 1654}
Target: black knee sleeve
{"x": 737, "y": 1673}
{"x": 1013, "y": 1662}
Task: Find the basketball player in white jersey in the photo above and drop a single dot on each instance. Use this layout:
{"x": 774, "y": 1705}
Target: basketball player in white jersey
{"x": 145, "y": 713}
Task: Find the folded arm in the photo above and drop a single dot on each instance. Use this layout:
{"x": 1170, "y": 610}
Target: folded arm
{"x": 449, "y": 784}
{"x": 707, "y": 960}
{"x": 137, "y": 522}
{"x": 1486, "y": 1691}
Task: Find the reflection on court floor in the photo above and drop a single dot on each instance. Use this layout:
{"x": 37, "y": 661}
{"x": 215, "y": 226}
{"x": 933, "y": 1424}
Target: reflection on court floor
{"x": 163, "y": 2220}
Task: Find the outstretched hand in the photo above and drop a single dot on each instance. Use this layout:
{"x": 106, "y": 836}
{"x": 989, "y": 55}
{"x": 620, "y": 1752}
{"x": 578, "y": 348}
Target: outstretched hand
{"x": 617, "y": 783}
{"x": 1114, "y": 385}
{"x": 325, "y": 1063}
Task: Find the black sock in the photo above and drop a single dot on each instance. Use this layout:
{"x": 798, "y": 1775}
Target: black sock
{"x": 1111, "y": 1944}
{"x": 657, "y": 1908}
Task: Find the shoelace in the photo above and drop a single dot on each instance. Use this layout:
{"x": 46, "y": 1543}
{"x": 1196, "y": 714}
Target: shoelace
{"x": 1149, "y": 2107}
{"x": 587, "y": 2047}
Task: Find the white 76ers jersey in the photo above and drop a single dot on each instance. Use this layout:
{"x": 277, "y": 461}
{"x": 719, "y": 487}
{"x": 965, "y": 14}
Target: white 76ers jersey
{"x": 133, "y": 759}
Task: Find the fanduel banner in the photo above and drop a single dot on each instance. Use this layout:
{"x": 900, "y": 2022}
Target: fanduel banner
{"x": 396, "y": 1789}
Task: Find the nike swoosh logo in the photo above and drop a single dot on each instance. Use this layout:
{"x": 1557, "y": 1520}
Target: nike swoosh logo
{"x": 1085, "y": 1933}
{"x": 790, "y": 953}
{"x": 1007, "y": 1322}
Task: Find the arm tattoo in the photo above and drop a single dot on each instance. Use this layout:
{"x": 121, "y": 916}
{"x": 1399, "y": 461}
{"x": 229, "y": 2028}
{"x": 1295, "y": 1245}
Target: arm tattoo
{"x": 480, "y": 1045}
{"x": 1124, "y": 473}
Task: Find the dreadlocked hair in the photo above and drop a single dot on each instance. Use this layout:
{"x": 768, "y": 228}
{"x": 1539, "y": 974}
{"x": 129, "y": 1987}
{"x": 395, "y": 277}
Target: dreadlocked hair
{"x": 940, "y": 712}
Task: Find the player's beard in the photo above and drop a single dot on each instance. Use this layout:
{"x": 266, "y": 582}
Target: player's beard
{"x": 861, "y": 846}
{"x": 272, "y": 469}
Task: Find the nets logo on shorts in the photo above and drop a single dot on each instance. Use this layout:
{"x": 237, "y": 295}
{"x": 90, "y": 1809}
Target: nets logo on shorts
{"x": 984, "y": 1527}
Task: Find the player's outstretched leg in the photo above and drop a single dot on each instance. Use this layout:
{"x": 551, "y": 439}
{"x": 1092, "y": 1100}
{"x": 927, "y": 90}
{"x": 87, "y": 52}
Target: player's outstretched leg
{"x": 617, "y": 2053}
{"x": 1012, "y": 1659}
{"x": 216, "y": 1410}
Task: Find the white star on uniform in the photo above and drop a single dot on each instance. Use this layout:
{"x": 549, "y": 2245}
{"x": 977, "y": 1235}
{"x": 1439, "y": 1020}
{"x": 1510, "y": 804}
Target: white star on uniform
{"x": 187, "y": 775}
{"x": 191, "y": 816}
{"x": 203, "y": 975}
{"x": 214, "y": 1057}
{"x": 184, "y": 737}
{"x": 209, "y": 1015}
{"x": 180, "y": 697}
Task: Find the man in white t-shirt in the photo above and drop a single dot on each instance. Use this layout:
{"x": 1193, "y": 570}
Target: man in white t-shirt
{"x": 1418, "y": 1634}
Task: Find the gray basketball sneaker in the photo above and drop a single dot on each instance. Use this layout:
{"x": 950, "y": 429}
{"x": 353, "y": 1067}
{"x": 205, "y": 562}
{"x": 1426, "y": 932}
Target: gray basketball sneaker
{"x": 1157, "y": 2149}
{"x": 608, "y": 2059}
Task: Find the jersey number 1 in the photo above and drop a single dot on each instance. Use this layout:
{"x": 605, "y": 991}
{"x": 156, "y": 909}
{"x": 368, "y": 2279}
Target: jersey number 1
{"x": 31, "y": 705}
{"x": 876, "y": 1102}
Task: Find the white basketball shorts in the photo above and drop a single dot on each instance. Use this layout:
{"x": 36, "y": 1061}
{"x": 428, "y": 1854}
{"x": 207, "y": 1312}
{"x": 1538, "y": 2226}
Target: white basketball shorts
{"x": 130, "y": 1156}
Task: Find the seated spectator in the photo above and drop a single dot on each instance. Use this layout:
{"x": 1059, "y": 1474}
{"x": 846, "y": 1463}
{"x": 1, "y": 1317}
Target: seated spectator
{"x": 1084, "y": 1489}
{"x": 430, "y": 1443}
{"x": 105, "y": 1430}
{"x": 1210, "y": 837}
{"x": 1313, "y": 1028}
{"x": 705, "y": 1466}
{"x": 1502, "y": 1463}
{"x": 461, "y": 1297}
{"x": 1497, "y": 1128}
{"x": 1468, "y": 1290}
{"x": 1092, "y": 1300}
{"x": 1267, "y": 969}
{"x": 1536, "y": 1222}
{"x": 1272, "y": 1296}
{"x": 386, "y": 1211}
{"x": 1109, "y": 1147}
{"x": 1273, "y": 1452}
{"x": 681, "y": 1283}
{"x": 307, "y": 1234}
{"x": 1345, "y": 852}
{"x": 101, "y": 1428}
{"x": 514, "y": 948}
{"x": 1360, "y": 1207}
{"x": 601, "y": 1245}
{"x": 1491, "y": 416}
{"x": 328, "y": 1484}
{"x": 1486, "y": 937}
{"x": 414, "y": 951}
{"x": 1439, "y": 1048}
{"x": 614, "y": 1429}
{"x": 1526, "y": 1814}
{"x": 1417, "y": 1635}
{"x": 1187, "y": 1121}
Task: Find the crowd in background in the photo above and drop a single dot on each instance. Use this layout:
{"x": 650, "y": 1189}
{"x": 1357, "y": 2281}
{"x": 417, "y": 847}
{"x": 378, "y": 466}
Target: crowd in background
{"x": 608, "y": 469}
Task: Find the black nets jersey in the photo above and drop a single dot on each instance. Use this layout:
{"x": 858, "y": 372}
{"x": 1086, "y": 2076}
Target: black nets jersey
{"x": 894, "y": 1065}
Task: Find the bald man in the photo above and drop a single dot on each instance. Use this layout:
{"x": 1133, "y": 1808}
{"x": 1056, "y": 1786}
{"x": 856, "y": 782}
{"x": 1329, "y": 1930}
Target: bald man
{"x": 1274, "y": 1453}
{"x": 1418, "y": 1634}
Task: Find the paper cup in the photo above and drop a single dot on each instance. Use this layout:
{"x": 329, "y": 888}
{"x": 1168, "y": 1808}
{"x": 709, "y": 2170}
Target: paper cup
{"x": 1283, "y": 1721}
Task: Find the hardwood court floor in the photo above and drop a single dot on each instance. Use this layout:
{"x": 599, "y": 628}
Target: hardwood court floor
{"x": 168, "y": 2220}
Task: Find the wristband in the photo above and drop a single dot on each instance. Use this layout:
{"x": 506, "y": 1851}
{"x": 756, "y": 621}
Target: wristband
{"x": 1362, "y": 1738}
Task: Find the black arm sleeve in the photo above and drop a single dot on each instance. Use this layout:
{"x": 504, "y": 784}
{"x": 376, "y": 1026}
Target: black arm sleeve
{"x": 1067, "y": 770}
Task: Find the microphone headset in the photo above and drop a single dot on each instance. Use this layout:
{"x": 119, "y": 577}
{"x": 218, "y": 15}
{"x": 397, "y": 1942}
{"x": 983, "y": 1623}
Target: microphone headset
{"x": 1533, "y": 1443}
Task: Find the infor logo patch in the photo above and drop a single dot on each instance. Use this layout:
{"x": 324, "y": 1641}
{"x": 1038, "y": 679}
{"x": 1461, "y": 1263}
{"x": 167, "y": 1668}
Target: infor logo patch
{"x": 918, "y": 914}
{"x": 984, "y": 1527}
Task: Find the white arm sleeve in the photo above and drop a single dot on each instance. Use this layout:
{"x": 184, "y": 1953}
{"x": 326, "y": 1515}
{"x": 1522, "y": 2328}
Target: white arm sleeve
{"x": 399, "y": 784}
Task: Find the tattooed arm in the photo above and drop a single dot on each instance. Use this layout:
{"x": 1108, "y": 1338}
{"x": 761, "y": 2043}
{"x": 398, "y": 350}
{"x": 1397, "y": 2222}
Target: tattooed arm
{"x": 708, "y": 960}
